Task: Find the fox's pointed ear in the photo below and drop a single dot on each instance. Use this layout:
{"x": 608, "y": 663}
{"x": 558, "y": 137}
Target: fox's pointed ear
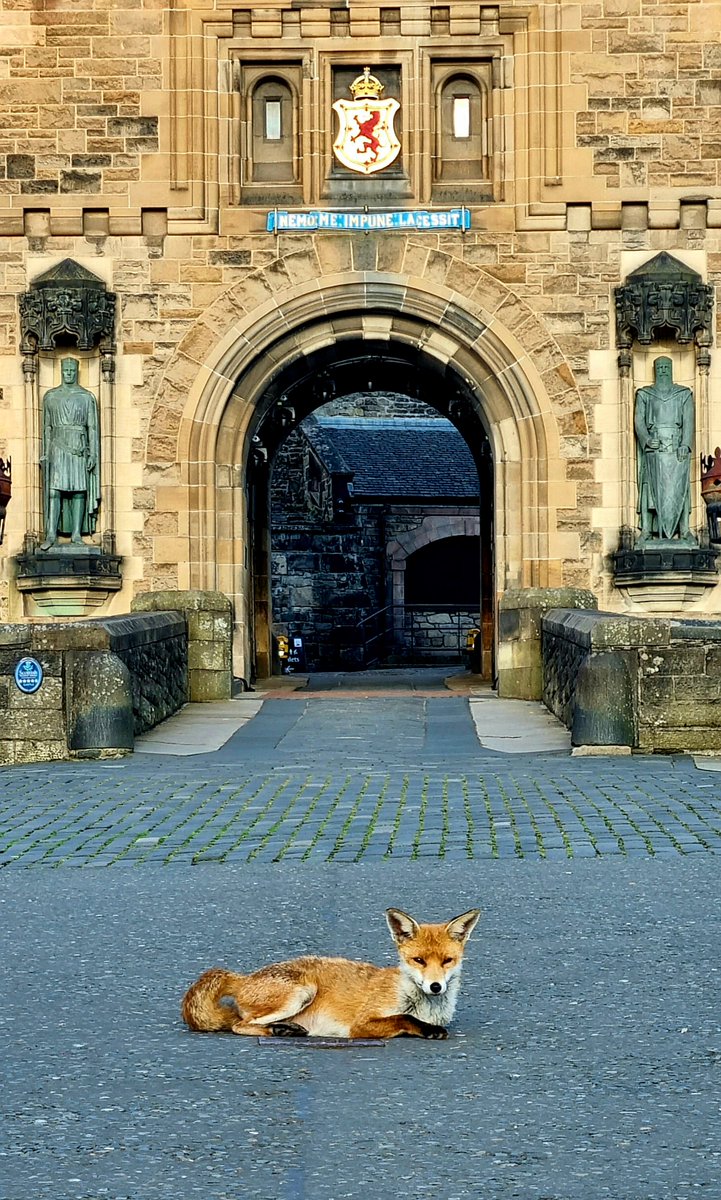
{"x": 402, "y": 926}
{"x": 461, "y": 928}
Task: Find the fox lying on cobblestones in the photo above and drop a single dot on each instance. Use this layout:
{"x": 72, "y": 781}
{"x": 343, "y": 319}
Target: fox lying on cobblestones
{"x": 335, "y": 997}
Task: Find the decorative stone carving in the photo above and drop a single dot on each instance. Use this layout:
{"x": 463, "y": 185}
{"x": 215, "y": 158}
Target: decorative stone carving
{"x": 660, "y": 297}
{"x": 71, "y": 583}
{"x": 663, "y": 567}
{"x": 68, "y": 306}
{"x": 67, "y": 302}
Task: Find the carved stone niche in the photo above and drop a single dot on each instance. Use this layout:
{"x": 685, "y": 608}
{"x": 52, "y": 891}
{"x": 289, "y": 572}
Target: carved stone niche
{"x": 68, "y": 308}
{"x": 664, "y": 301}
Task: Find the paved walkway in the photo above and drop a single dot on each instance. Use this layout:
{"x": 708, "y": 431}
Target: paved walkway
{"x": 584, "y": 1061}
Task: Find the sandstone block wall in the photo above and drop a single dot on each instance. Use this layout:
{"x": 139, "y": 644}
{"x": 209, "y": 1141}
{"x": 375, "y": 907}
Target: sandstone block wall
{"x": 121, "y": 147}
{"x": 658, "y": 680}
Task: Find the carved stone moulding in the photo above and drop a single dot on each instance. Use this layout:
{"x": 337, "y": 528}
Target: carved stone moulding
{"x": 67, "y": 581}
{"x": 664, "y": 298}
{"x": 67, "y": 305}
{"x": 665, "y": 577}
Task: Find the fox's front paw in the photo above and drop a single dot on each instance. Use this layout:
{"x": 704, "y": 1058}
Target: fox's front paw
{"x": 433, "y": 1031}
{"x": 288, "y": 1029}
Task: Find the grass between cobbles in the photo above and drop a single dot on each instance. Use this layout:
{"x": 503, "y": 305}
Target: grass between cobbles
{"x": 345, "y": 829}
{"x": 352, "y": 815}
{"x": 320, "y": 832}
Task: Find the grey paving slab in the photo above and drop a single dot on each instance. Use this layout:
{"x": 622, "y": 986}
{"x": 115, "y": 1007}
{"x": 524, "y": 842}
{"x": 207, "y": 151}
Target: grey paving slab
{"x": 583, "y": 1065}
{"x": 200, "y": 728}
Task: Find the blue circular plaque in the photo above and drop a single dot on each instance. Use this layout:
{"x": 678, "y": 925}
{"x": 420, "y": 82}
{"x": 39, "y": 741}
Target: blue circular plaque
{"x": 28, "y": 675}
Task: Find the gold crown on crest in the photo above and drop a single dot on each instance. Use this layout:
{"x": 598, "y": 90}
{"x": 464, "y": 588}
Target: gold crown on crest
{"x": 366, "y": 86}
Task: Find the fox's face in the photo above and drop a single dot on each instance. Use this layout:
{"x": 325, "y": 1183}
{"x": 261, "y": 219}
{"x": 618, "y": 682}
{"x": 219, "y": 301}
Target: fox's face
{"x": 431, "y": 955}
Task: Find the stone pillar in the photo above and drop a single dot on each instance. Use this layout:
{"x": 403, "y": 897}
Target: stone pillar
{"x": 520, "y": 659}
{"x": 209, "y": 620}
{"x": 100, "y": 712}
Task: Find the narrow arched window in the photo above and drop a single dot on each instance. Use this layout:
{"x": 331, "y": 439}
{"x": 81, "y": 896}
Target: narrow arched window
{"x": 463, "y": 152}
{"x": 273, "y": 149}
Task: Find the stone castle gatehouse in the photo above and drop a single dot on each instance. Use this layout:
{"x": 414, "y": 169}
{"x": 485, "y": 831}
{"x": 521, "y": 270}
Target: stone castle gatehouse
{"x": 174, "y": 217}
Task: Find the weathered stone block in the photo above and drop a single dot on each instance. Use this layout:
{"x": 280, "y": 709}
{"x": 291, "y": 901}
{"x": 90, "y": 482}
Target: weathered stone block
{"x": 101, "y": 703}
{"x": 603, "y": 703}
{"x": 87, "y": 182}
{"x": 20, "y": 166}
{"x": 696, "y": 687}
{"x": 48, "y": 696}
{"x": 40, "y": 751}
{"x": 33, "y": 724}
{"x": 201, "y": 626}
{"x": 657, "y": 690}
{"x": 686, "y": 660}
{"x": 206, "y": 656}
{"x": 678, "y": 741}
{"x": 208, "y": 686}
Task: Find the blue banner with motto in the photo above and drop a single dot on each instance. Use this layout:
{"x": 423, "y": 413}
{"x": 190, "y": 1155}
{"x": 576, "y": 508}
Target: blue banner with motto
{"x": 433, "y": 220}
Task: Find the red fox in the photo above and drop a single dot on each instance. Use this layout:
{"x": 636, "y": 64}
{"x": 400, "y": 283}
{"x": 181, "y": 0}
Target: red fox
{"x": 338, "y": 998}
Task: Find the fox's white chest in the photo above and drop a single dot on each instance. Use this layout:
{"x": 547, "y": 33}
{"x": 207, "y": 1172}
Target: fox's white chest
{"x": 435, "y": 1010}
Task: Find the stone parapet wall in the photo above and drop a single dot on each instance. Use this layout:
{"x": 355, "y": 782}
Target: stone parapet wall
{"x": 104, "y": 682}
{"x": 32, "y": 728}
{"x": 566, "y": 643}
{"x": 653, "y": 684}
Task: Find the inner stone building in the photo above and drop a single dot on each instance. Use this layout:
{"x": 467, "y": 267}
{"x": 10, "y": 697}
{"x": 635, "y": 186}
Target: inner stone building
{"x": 214, "y": 216}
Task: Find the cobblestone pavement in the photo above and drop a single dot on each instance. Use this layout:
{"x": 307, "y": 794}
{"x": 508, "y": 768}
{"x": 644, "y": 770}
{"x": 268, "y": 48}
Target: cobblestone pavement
{"x": 584, "y": 1062}
{"x": 350, "y": 780}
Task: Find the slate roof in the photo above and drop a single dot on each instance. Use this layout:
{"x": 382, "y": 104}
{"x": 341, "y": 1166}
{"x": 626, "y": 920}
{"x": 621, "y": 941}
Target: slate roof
{"x": 397, "y": 457}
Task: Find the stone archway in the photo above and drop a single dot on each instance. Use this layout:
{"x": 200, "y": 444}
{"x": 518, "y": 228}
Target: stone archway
{"x": 433, "y": 528}
{"x": 214, "y": 391}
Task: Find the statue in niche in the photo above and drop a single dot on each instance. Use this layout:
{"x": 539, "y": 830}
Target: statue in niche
{"x": 664, "y": 423}
{"x": 70, "y": 459}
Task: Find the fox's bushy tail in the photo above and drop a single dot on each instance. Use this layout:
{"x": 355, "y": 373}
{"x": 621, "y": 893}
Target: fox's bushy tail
{"x": 202, "y": 1009}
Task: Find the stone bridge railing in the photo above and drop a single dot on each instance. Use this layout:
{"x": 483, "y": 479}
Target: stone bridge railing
{"x": 104, "y": 682}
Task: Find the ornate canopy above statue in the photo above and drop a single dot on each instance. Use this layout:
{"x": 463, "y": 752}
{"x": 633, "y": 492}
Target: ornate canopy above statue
{"x": 67, "y": 305}
{"x": 664, "y": 296}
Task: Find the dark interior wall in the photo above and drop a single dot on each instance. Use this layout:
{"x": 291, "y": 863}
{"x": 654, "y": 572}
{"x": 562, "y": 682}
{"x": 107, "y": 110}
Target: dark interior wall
{"x": 445, "y": 572}
{"x": 328, "y": 565}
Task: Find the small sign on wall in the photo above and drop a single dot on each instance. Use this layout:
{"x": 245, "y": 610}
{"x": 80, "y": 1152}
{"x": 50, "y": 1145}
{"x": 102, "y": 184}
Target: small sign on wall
{"x": 28, "y": 675}
{"x": 296, "y": 657}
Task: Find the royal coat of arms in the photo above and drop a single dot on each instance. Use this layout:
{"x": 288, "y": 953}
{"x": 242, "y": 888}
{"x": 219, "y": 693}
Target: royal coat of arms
{"x": 366, "y": 140}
